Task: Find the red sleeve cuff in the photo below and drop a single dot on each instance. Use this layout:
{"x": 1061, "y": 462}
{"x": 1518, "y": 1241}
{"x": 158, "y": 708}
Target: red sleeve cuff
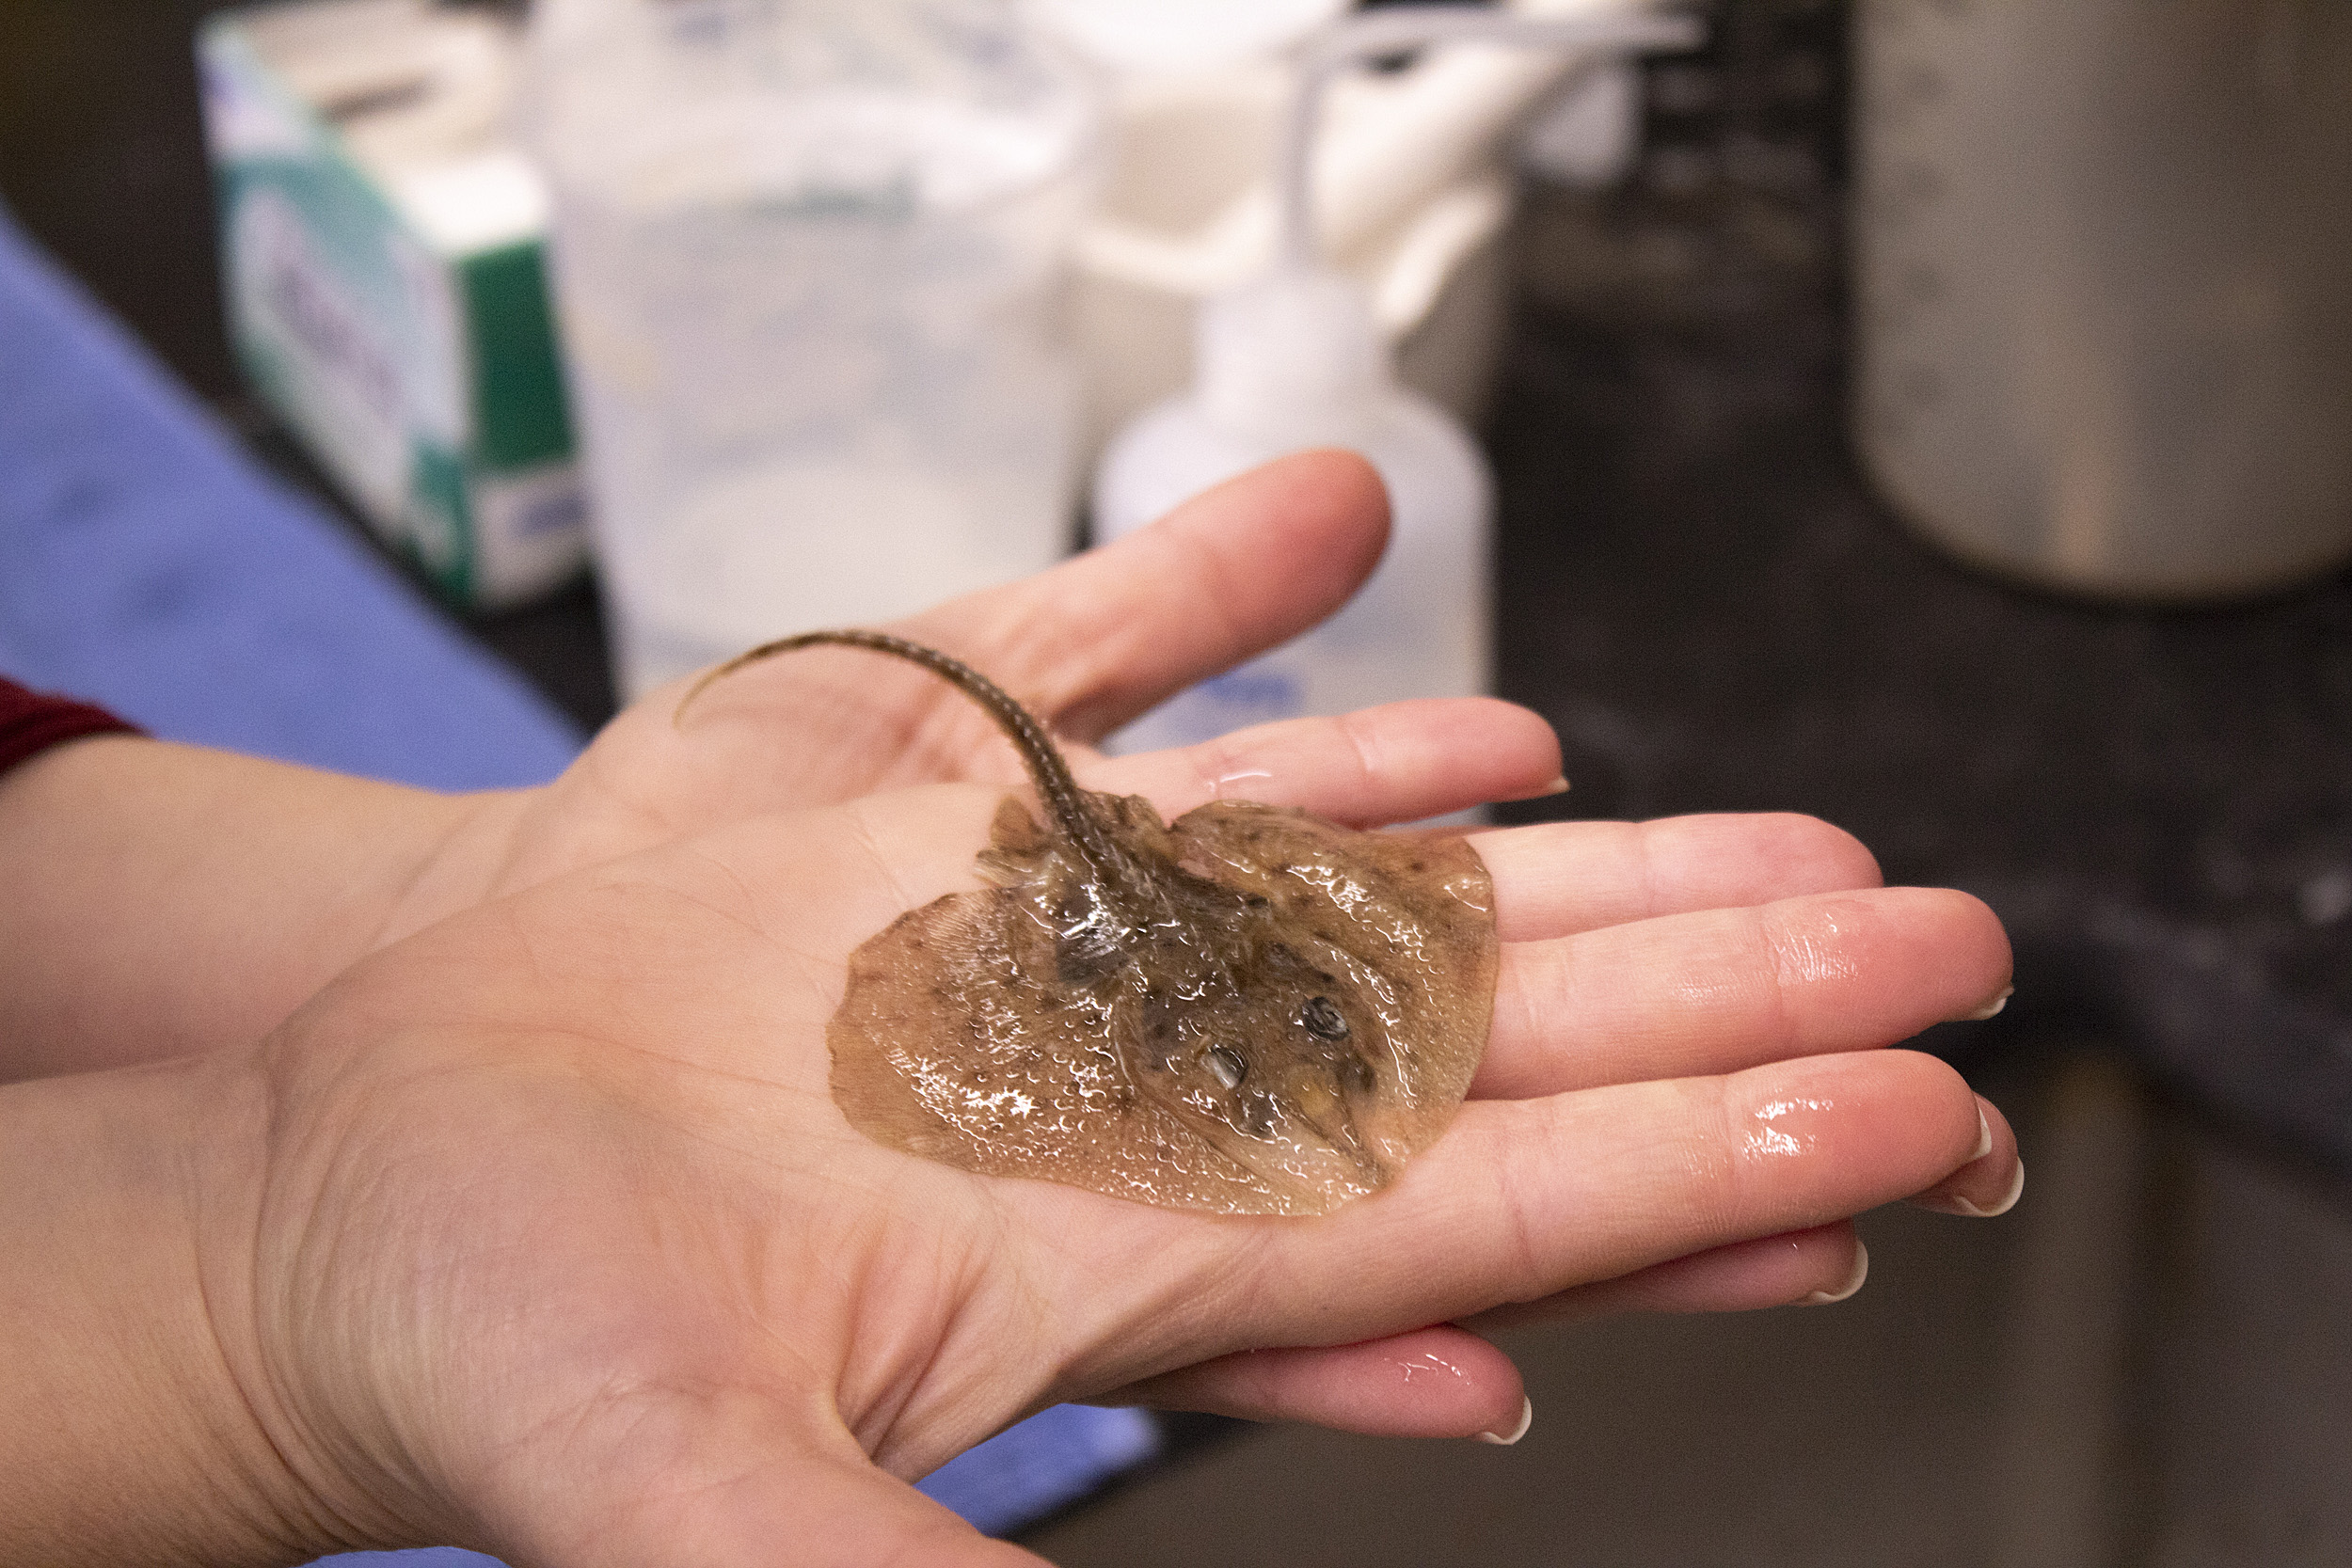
{"x": 30, "y": 723}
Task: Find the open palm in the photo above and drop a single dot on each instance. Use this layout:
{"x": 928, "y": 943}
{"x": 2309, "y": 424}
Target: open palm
{"x": 632, "y": 1291}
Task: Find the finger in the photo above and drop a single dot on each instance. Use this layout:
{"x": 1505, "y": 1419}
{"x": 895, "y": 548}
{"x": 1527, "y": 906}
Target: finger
{"x": 1232, "y": 571}
{"x": 1991, "y": 1183}
{"x": 1436, "y": 1382}
{"x": 1719, "y": 990}
{"x": 1556, "y": 879}
{"x": 1522, "y": 1199}
{"x": 1811, "y": 1267}
{"x": 1396, "y": 762}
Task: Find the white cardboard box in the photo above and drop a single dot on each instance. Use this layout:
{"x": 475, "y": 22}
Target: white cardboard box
{"x": 380, "y": 242}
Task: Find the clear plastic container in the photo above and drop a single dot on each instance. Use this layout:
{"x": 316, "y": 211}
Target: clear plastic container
{"x": 1296, "y": 361}
{"x": 808, "y": 262}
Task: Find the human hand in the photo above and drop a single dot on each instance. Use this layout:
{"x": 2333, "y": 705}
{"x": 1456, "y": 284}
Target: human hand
{"x": 554, "y": 1242}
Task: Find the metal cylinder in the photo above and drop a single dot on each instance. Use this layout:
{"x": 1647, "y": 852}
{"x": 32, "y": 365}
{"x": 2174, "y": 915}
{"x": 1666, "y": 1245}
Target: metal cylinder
{"x": 2103, "y": 251}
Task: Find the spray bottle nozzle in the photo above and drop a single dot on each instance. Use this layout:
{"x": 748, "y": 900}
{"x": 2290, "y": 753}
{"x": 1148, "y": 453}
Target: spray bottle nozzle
{"x": 1396, "y": 30}
{"x": 1300, "y": 343}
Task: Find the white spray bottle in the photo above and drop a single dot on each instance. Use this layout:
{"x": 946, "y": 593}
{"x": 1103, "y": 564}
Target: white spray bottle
{"x": 1295, "y": 360}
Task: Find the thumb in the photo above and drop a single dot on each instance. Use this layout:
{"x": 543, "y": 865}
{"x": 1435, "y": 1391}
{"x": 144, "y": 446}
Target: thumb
{"x": 1237, "y": 569}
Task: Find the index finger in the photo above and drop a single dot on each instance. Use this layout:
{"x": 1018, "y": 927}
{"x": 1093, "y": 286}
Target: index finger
{"x": 1234, "y": 571}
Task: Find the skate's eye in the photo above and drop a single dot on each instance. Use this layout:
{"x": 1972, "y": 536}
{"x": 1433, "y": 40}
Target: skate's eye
{"x": 1225, "y": 1065}
{"x": 1323, "y": 1020}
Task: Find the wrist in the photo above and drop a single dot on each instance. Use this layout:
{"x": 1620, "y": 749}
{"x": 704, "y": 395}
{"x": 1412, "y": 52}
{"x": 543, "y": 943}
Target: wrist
{"x": 126, "y": 1435}
{"x": 187, "y": 900}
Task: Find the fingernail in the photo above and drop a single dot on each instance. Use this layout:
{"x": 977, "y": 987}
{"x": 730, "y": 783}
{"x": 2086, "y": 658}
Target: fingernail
{"x": 2007, "y": 1199}
{"x": 1853, "y": 1281}
{"x": 1990, "y": 1009}
{"x": 1984, "y": 1136}
{"x": 1557, "y": 787}
{"x": 1504, "y": 1439}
